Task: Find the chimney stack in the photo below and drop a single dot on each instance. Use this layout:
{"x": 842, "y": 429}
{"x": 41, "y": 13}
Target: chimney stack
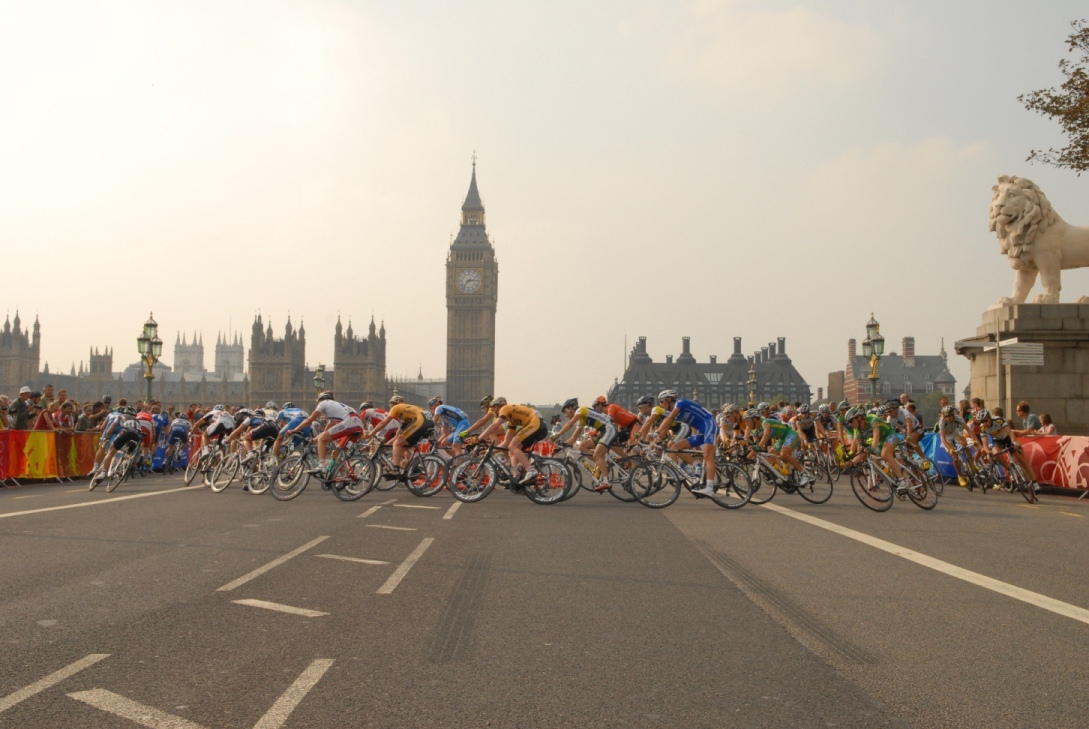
{"x": 771, "y": 350}
{"x": 669, "y": 359}
{"x": 782, "y": 346}
{"x": 737, "y": 345}
{"x": 684, "y": 344}
{"x": 851, "y": 354}
{"x": 820, "y": 394}
{"x": 714, "y": 359}
{"x": 763, "y": 354}
{"x": 909, "y": 351}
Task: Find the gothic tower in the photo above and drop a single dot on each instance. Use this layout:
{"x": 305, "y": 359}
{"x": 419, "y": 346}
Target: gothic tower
{"x": 472, "y": 282}
{"x": 19, "y": 352}
{"x": 189, "y": 358}
{"x": 359, "y": 365}
{"x": 278, "y": 366}
{"x": 230, "y": 359}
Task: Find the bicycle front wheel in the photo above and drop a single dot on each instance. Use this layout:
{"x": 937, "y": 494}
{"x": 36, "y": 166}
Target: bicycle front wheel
{"x": 472, "y": 481}
{"x": 290, "y": 478}
{"x": 819, "y": 488}
{"x": 871, "y": 487}
{"x": 551, "y": 484}
{"x": 919, "y": 490}
{"x": 224, "y": 473}
{"x": 426, "y": 476}
{"x": 193, "y": 468}
{"x": 620, "y": 478}
{"x": 762, "y": 484}
{"x": 352, "y": 479}
{"x": 654, "y": 485}
{"x": 259, "y": 478}
{"x": 732, "y": 487}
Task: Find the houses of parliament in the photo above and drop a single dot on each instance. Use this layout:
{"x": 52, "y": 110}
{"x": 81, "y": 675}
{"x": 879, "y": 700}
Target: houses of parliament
{"x": 276, "y": 367}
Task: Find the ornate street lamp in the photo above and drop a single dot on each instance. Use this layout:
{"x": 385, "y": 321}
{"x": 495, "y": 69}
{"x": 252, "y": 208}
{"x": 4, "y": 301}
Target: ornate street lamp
{"x": 150, "y": 347}
{"x": 752, "y": 384}
{"x": 319, "y": 379}
{"x": 873, "y": 346}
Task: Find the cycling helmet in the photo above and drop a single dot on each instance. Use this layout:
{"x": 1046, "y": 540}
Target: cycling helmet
{"x": 499, "y": 402}
{"x": 288, "y": 405}
{"x": 646, "y": 400}
{"x": 844, "y": 405}
{"x": 600, "y": 400}
{"x": 106, "y": 399}
{"x": 787, "y": 411}
{"x": 184, "y": 416}
{"x": 572, "y": 403}
{"x": 667, "y": 394}
{"x": 730, "y": 409}
{"x": 803, "y": 409}
{"x": 129, "y": 410}
{"x": 327, "y": 395}
{"x": 752, "y": 414}
{"x": 983, "y": 414}
{"x": 853, "y": 413}
{"x": 949, "y": 410}
{"x": 486, "y": 401}
{"x": 763, "y": 406}
{"x": 823, "y": 409}
{"x": 271, "y": 405}
{"x": 365, "y": 405}
{"x": 396, "y": 400}
{"x": 245, "y": 413}
{"x": 216, "y": 408}
{"x": 434, "y": 402}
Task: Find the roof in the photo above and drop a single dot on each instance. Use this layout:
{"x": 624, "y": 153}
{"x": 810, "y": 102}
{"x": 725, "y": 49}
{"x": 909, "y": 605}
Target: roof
{"x": 927, "y": 368}
{"x": 472, "y": 200}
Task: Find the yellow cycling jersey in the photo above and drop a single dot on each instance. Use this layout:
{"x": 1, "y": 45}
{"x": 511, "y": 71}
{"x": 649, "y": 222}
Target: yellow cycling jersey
{"x": 406, "y": 414}
{"x": 519, "y": 416}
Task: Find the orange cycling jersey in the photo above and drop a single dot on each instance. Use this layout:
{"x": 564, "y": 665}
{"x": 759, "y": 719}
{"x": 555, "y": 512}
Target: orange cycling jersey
{"x": 406, "y": 414}
{"x": 623, "y": 418}
{"x": 519, "y": 416}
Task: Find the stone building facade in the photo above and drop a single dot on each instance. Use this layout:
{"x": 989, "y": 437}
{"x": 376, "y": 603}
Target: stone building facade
{"x": 908, "y": 372}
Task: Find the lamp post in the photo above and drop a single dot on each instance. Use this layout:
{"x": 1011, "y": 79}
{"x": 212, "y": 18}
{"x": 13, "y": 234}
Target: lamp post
{"x": 873, "y": 346}
{"x": 752, "y": 384}
{"x": 150, "y": 347}
{"x": 319, "y": 379}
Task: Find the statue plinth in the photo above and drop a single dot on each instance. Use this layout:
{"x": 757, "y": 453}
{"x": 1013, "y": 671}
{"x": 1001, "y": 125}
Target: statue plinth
{"x": 1060, "y": 387}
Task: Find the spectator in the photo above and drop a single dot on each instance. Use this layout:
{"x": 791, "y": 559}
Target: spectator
{"x": 964, "y": 409}
{"x": 1046, "y": 426}
{"x": 998, "y": 411}
{"x": 47, "y": 395}
{"x": 20, "y": 410}
{"x": 62, "y": 397}
{"x": 84, "y": 422}
{"x": 64, "y": 417}
{"x": 44, "y": 421}
{"x": 5, "y": 424}
{"x": 1029, "y": 421}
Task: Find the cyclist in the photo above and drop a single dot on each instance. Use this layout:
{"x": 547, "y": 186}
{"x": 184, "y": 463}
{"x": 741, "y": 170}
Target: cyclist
{"x": 262, "y": 427}
{"x": 128, "y": 431}
{"x": 110, "y": 428}
{"x": 485, "y": 420}
{"x": 704, "y": 431}
{"x": 643, "y": 407}
{"x": 624, "y": 420}
{"x": 1002, "y": 437}
{"x": 147, "y": 431}
{"x": 372, "y": 416}
{"x": 950, "y": 428}
{"x": 730, "y": 428}
{"x": 525, "y": 428}
{"x": 882, "y": 440}
{"x": 453, "y": 422}
{"x": 220, "y": 423}
{"x": 781, "y": 439}
{"x": 415, "y": 425}
{"x": 289, "y": 419}
{"x": 178, "y": 434}
{"x": 342, "y": 423}
{"x": 594, "y": 417}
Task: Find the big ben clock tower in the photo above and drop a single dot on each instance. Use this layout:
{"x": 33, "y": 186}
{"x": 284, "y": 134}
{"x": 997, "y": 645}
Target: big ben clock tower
{"x": 472, "y": 283}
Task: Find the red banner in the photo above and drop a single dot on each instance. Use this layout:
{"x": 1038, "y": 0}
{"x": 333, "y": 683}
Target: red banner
{"x": 1059, "y": 460}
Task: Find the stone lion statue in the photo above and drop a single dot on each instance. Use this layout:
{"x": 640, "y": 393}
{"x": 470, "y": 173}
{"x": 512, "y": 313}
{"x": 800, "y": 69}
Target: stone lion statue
{"x": 1036, "y": 240}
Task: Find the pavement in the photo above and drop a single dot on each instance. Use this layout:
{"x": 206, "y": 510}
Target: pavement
{"x": 165, "y": 606}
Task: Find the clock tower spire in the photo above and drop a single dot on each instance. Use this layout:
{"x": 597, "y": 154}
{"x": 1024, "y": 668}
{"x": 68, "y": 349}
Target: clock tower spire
{"x": 472, "y": 280}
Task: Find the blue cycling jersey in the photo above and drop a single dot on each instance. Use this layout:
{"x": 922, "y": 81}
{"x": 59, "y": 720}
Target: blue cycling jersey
{"x": 289, "y": 414}
{"x": 450, "y": 415}
{"x": 696, "y": 415}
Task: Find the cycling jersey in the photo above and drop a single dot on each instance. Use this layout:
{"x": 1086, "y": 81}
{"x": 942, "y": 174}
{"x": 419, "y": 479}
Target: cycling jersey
{"x": 828, "y": 423}
{"x": 950, "y": 427}
{"x": 885, "y": 430}
{"x": 623, "y": 418}
{"x": 781, "y": 433}
{"x": 805, "y": 421}
{"x": 408, "y": 415}
{"x": 702, "y": 422}
{"x": 452, "y": 416}
{"x": 588, "y": 417}
{"x": 998, "y": 430}
{"x": 334, "y": 410}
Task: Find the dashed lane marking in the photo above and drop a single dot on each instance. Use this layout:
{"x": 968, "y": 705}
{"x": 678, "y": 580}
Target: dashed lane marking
{"x": 399, "y": 574}
{"x": 351, "y": 559}
{"x": 394, "y": 528}
{"x": 135, "y": 712}
{"x": 1068, "y": 513}
{"x": 281, "y": 608}
{"x": 101, "y": 502}
{"x": 49, "y": 681}
{"x": 452, "y": 510}
{"x": 274, "y": 563}
{"x": 375, "y": 508}
{"x": 296, "y": 692}
{"x": 415, "y": 506}
{"x": 30, "y": 496}
{"x": 1003, "y": 588}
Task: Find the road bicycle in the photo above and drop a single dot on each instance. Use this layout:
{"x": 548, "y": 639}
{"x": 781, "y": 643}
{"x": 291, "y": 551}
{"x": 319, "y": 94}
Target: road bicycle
{"x": 349, "y": 474}
{"x": 121, "y": 467}
{"x": 424, "y": 474}
{"x": 875, "y": 487}
{"x": 546, "y": 482}
{"x": 769, "y": 473}
{"x": 657, "y": 479}
{"x": 243, "y": 462}
{"x": 620, "y": 468}
{"x": 1007, "y": 473}
{"x": 204, "y": 461}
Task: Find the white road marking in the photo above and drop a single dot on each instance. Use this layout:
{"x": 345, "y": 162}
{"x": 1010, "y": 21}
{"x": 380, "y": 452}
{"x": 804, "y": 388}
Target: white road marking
{"x": 280, "y": 608}
{"x": 394, "y": 528}
{"x": 51, "y": 680}
{"x": 375, "y": 508}
{"x": 416, "y": 506}
{"x": 128, "y": 709}
{"x": 275, "y": 717}
{"x": 30, "y": 496}
{"x": 1004, "y": 588}
{"x": 450, "y": 512}
{"x": 1068, "y": 513}
{"x": 100, "y": 503}
{"x": 274, "y": 563}
{"x": 399, "y": 574}
{"x": 351, "y": 559}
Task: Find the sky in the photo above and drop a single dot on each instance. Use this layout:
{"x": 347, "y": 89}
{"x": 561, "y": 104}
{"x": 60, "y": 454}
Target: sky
{"x": 649, "y": 168}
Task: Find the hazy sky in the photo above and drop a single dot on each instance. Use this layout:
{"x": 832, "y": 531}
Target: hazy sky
{"x": 710, "y": 169}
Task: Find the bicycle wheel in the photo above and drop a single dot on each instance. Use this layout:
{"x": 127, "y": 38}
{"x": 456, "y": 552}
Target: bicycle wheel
{"x": 118, "y": 470}
{"x": 381, "y": 483}
{"x": 352, "y": 479}
{"x": 426, "y": 475}
{"x": 762, "y": 483}
{"x": 290, "y": 478}
{"x": 1021, "y": 482}
{"x": 224, "y": 473}
{"x": 819, "y": 488}
{"x": 919, "y": 490}
{"x": 574, "y": 479}
{"x": 259, "y": 478}
{"x": 193, "y": 467}
{"x": 472, "y": 481}
{"x": 620, "y": 478}
{"x": 732, "y": 487}
{"x": 551, "y": 484}
{"x": 96, "y": 478}
{"x": 655, "y": 485}
{"x": 872, "y": 488}
{"x": 209, "y": 464}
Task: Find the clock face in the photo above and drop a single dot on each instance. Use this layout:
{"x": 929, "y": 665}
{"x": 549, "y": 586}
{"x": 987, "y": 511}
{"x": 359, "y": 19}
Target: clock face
{"x": 468, "y": 280}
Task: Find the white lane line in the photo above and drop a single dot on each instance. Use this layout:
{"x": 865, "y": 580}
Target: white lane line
{"x": 274, "y": 563}
{"x": 100, "y": 503}
{"x": 275, "y": 717}
{"x": 394, "y": 528}
{"x": 450, "y": 512}
{"x": 128, "y": 709}
{"x": 30, "y": 496}
{"x": 975, "y": 578}
{"x": 351, "y": 559}
{"x": 280, "y": 608}
{"x": 416, "y": 506}
{"x": 1069, "y": 513}
{"x": 51, "y": 680}
{"x": 396, "y": 577}
{"x": 375, "y": 508}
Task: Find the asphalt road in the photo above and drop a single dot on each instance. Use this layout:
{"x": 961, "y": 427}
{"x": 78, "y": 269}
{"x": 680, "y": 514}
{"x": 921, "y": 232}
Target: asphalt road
{"x": 183, "y": 608}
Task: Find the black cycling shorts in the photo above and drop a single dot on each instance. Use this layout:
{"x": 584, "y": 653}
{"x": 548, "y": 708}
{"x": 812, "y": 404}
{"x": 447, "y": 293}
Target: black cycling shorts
{"x": 127, "y": 436}
{"x": 264, "y": 431}
{"x": 420, "y": 433}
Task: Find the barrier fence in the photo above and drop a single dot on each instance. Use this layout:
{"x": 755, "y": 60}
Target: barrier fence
{"x": 36, "y": 454}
